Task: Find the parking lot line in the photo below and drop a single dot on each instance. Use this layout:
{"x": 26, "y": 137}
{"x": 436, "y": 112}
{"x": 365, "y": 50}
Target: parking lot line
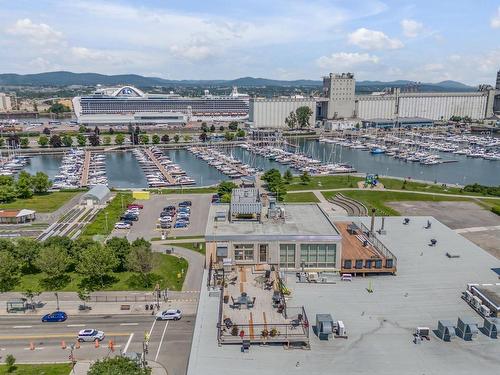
{"x": 22, "y": 327}
{"x": 129, "y": 324}
{"x": 161, "y": 341}
{"x": 128, "y": 343}
{"x": 75, "y": 325}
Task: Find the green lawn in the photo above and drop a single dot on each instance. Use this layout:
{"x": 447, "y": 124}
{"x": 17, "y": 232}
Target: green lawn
{"x": 166, "y": 266}
{"x": 392, "y": 183}
{"x": 38, "y": 369}
{"x": 113, "y": 210}
{"x": 42, "y": 203}
{"x": 307, "y": 197}
{"x": 377, "y": 199}
{"x": 199, "y": 247}
{"x": 325, "y": 182}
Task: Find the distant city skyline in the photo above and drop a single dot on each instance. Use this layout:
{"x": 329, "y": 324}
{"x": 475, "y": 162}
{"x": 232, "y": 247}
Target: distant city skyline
{"x": 426, "y": 41}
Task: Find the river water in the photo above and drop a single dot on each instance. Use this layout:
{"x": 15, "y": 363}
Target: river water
{"x": 124, "y": 171}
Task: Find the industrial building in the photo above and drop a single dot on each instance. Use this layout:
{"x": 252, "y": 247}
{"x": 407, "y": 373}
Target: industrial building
{"x": 271, "y": 113}
{"x": 5, "y": 103}
{"x": 401, "y": 122}
{"x": 251, "y": 232}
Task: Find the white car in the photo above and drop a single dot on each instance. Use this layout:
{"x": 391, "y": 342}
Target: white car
{"x": 121, "y": 225}
{"x": 166, "y": 219}
{"x": 90, "y": 335}
{"x": 169, "y": 315}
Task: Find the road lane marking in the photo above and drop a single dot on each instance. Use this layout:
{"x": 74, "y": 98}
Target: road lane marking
{"x": 33, "y": 348}
{"x": 129, "y": 324}
{"x": 75, "y": 325}
{"x": 161, "y": 341}
{"x": 22, "y": 327}
{"x": 55, "y": 336}
{"x": 128, "y": 343}
{"x": 151, "y": 330}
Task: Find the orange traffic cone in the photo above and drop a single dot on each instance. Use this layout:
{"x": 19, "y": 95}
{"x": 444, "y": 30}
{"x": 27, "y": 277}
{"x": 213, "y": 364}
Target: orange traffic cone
{"x": 96, "y": 343}
{"x": 77, "y": 345}
{"x": 63, "y": 345}
{"x": 111, "y": 346}
{"x": 32, "y": 345}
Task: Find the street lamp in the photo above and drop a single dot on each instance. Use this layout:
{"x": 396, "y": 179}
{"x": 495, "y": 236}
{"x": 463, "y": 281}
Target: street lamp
{"x": 57, "y": 300}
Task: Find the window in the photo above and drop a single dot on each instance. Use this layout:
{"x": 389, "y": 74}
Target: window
{"x": 243, "y": 252}
{"x": 359, "y": 263}
{"x": 318, "y": 255}
{"x": 287, "y": 255}
{"x": 347, "y": 263}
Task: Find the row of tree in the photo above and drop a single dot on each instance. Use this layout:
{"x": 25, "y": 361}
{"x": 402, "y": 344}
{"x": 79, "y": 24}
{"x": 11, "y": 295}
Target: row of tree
{"x": 24, "y": 187}
{"x": 277, "y": 184}
{"x": 57, "y": 256}
{"x": 300, "y": 118}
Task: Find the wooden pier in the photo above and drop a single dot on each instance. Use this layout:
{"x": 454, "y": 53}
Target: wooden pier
{"x": 86, "y": 167}
{"x": 161, "y": 168}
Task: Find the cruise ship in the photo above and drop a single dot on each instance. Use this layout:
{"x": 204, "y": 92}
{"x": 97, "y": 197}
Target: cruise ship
{"x": 129, "y": 105}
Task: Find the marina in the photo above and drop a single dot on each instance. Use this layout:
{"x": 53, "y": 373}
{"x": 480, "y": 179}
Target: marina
{"x": 223, "y": 162}
{"x": 80, "y": 168}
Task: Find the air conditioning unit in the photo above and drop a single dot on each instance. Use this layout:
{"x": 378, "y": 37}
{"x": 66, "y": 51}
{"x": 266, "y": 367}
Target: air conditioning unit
{"x": 476, "y": 301}
{"x": 468, "y": 296}
{"x": 485, "y": 310}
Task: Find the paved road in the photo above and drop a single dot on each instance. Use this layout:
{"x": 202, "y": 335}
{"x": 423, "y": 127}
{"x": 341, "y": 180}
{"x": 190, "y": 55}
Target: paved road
{"x": 29, "y": 340}
{"x": 196, "y": 261}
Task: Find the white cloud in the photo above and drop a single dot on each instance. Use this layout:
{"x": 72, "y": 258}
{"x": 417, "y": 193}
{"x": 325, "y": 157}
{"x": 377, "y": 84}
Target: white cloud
{"x": 342, "y": 60}
{"x": 495, "y": 21}
{"x": 411, "y": 28}
{"x": 37, "y": 33}
{"x": 373, "y": 40}
{"x": 193, "y": 52}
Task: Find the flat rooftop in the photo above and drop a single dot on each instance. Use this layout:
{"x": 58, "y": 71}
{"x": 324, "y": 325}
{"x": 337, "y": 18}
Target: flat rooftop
{"x": 302, "y": 222}
{"x": 380, "y": 325}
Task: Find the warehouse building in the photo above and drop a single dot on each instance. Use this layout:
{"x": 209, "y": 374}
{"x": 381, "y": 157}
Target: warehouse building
{"x": 249, "y": 232}
{"x": 272, "y": 112}
{"x": 402, "y": 122}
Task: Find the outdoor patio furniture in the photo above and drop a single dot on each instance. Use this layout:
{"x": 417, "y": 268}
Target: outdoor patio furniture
{"x": 433, "y": 242}
{"x": 244, "y": 299}
{"x": 406, "y": 221}
{"x": 228, "y": 323}
{"x": 428, "y": 226}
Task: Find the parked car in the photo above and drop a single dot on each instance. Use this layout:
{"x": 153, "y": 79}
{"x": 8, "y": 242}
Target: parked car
{"x": 165, "y": 219}
{"x": 165, "y": 214}
{"x": 129, "y": 217}
{"x": 122, "y": 225}
{"x": 180, "y": 224}
{"x": 56, "y": 316}
{"x": 169, "y": 315}
{"x": 135, "y": 205}
{"x": 168, "y": 208}
{"x": 185, "y": 204}
{"x": 90, "y": 335}
{"x": 184, "y": 209}
{"x": 129, "y": 222}
{"x": 165, "y": 225}
{"x": 183, "y": 216}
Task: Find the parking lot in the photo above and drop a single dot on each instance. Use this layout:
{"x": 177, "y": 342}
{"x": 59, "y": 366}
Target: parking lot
{"x": 148, "y": 224}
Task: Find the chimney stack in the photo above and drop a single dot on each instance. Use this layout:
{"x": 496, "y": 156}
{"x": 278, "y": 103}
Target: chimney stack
{"x": 373, "y": 221}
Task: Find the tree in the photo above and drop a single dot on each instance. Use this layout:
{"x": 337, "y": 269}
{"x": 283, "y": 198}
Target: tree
{"x": 187, "y": 138}
{"x": 30, "y": 294}
{"x": 229, "y": 136}
{"x": 165, "y": 138}
{"x": 117, "y": 366}
{"x": 26, "y": 252}
{"x": 55, "y": 141}
{"x": 288, "y": 177}
{"x": 240, "y": 133}
{"x": 221, "y": 128}
{"x": 10, "y": 361}
{"x": 2, "y": 141}
{"x": 119, "y": 139}
{"x": 233, "y": 125}
{"x": 212, "y": 128}
{"x": 84, "y": 295}
{"x": 203, "y": 137}
{"x": 24, "y": 185}
{"x": 155, "y": 139}
{"x": 53, "y": 261}
{"x": 8, "y": 193}
{"x": 46, "y": 131}
{"x": 305, "y": 178}
{"x": 97, "y": 131}
{"x": 96, "y": 263}
{"x": 82, "y": 129}
{"x": 43, "y": 141}
{"x": 204, "y": 127}
{"x": 121, "y": 248}
{"x": 41, "y": 183}
{"x": 140, "y": 259}
{"x": 67, "y": 140}
{"x": 94, "y": 140}
{"x": 176, "y": 138}
{"x": 9, "y": 271}
{"x": 111, "y": 130}
{"x": 106, "y": 140}
{"x": 144, "y": 139}
{"x": 81, "y": 139}
{"x": 24, "y": 142}
{"x": 275, "y": 183}
{"x": 226, "y": 187}
{"x": 291, "y": 120}
{"x": 59, "y": 108}
{"x": 303, "y": 114}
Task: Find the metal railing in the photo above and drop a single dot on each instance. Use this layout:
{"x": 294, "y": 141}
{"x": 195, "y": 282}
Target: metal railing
{"x": 378, "y": 245}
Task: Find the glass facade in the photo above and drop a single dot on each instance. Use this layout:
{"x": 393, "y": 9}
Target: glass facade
{"x": 318, "y": 255}
{"x": 287, "y": 255}
{"x": 243, "y": 252}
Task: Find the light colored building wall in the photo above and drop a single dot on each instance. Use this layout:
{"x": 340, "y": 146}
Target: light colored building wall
{"x": 376, "y": 106}
{"x": 340, "y": 90}
{"x": 5, "y": 103}
{"x": 271, "y": 113}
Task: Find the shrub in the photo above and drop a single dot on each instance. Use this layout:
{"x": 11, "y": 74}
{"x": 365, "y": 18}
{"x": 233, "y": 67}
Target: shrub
{"x": 496, "y": 210}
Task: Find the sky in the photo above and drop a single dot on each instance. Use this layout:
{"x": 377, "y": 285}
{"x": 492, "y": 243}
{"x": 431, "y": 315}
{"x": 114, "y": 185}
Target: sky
{"x": 420, "y": 40}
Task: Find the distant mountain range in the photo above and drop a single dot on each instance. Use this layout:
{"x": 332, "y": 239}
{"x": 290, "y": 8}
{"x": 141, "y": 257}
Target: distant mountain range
{"x": 63, "y": 78}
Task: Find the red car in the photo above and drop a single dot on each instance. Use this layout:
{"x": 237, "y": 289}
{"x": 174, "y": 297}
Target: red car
{"x": 135, "y": 205}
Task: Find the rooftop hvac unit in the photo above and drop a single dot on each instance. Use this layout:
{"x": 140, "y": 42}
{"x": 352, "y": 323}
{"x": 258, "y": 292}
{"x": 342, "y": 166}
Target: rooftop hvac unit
{"x": 476, "y": 301}
{"x": 485, "y": 310}
{"x": 468, "y": 296}
{"x": 422, "y": 331}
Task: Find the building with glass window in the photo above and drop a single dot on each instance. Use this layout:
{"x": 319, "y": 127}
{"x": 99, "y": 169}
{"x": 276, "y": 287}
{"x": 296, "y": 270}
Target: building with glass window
{"x": 289, "y": 236}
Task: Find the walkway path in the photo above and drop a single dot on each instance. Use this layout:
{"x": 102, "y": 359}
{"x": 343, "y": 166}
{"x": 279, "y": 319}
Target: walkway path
{"x": 195, "y": 260}
{"x": 477, "y": 229}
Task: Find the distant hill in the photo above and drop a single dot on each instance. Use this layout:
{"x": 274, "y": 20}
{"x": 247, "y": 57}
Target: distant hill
{"x": 63, "y": 78}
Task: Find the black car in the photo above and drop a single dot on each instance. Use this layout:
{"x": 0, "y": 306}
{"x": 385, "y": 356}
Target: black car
{"x": 129, "y": 217}
{"x": 165, "y": 213}
{"x": 169, "y": 208}
{"x": 185, "y": 204}
{"x": 165, "y": 225}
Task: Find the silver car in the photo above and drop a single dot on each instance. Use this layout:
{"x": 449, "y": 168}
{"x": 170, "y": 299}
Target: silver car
{"x": 90, "y": 335}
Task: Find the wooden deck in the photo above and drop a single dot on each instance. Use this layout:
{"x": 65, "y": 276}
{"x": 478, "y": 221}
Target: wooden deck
{"x": 86, "y": 167}
{"x": 353, "y": 249}
{"x": 160, "y": 167}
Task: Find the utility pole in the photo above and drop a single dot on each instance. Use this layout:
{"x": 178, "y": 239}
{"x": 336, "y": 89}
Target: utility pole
{"x": 57, "y": 300}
